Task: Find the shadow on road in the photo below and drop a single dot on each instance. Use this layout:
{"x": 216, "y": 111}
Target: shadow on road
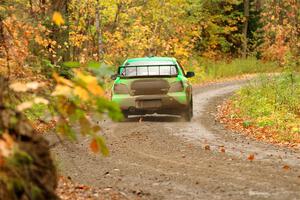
{"x": 153, "y": 118}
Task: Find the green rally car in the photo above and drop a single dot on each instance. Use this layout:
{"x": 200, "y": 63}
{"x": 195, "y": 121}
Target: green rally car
{"x": 153, "y": 85}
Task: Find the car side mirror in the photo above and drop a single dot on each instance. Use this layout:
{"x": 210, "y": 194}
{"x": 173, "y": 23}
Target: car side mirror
{"x": 190, "y": 74}
{"x": 114, "y": 76}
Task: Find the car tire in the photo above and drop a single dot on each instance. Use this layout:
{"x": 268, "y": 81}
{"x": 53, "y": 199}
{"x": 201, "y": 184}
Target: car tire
{"x": 125, "y": 114}
{"x": 188, "y": 114}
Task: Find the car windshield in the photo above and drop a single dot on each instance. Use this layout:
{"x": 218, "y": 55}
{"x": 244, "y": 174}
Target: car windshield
{"x": 148, "y": 69}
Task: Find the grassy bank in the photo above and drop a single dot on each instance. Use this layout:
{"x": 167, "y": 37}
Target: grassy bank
{"x": 268, "y": 108}
{"x": 208, "y": 70}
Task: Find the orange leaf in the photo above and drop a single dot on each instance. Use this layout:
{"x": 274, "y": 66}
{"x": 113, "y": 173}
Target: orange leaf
{"x": 251, "y": 157}
{"x": 286, "y": 167}
{"x": 94, "y": 146}
{"x": 95, "y": 89}
{"x": 82, "y": 187}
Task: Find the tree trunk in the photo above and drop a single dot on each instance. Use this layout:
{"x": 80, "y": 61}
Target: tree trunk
{"x": 42, "y": 5}
{"x": 245, "y": 29}
{"x": 58, "y": 34}
{"x": 31, "y": 7}
{"x": 4, "y": 47}
{"x": 2, "y": 40}
{"x": 119, "y": 9}
{"x": 98, "y": 30}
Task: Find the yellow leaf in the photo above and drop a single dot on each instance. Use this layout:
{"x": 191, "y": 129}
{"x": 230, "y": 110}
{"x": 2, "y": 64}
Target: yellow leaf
{"x": 9, "y": 140}
{"x": 62, "y": 80}
{"x": 84, "y": 78}
{"x": 33, "y": 85}
{"x": 95, "y": 89}
{"x": 82, "y": 93}
{"x": 18, "y": 87}
{"x": 91, "y": 83}
{"x": 6, "y": 145}
{"x": 41, "y": 100}
{"x": 61, "y": 90}
{"x": 24, "y": 105}
{"x": 57, "y": 18}
{"x": 23, "y": 87}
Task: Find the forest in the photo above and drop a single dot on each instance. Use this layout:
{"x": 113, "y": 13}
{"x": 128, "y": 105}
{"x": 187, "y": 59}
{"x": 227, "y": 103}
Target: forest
{"x": 56, "y": 58}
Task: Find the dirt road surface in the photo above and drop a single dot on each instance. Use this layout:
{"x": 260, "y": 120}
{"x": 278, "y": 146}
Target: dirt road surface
{"x": 165, "y": 158}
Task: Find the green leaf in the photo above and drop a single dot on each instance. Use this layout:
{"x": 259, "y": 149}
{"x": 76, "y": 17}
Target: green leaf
{"x": 93, "y": 65}
{"x": 103, "y": 148}
{"x": 47, "y": 63}
{"x": 71, "y": 64}
{"x": 112, "y": 108}
{"x": 100, "y": 69}
{"x": 247, "y": 124}
{"x": 66, "y": 130}
{"x": 20, "y": 158}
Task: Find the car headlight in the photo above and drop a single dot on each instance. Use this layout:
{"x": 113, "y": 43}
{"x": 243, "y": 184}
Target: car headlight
{"x": 176, "y": 86}
{"x": 120, "y": 89}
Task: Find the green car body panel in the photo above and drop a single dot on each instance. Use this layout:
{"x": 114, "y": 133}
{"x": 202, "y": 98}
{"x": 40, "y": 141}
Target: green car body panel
{"x": 171, "y": 94}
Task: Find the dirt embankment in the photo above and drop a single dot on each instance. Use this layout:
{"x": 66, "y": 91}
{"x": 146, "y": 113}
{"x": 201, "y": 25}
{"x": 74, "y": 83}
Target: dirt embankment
{"x": 165, "y": 158}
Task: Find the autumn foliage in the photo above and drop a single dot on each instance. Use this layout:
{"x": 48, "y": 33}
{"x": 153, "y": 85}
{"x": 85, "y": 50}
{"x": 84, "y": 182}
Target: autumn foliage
{"x": 46, "y": 49}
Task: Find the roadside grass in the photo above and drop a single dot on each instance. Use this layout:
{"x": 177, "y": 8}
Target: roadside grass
{"x": 209, "y": 70}
{"x": 36, "y": 112}
{"x": 270, "y": 104}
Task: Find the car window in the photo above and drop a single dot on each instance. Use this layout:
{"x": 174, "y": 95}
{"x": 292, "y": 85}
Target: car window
{"x": 149, "y": 70}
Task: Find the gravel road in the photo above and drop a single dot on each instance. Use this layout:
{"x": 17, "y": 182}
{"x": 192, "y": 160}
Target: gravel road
{"x": 166, "y": 158}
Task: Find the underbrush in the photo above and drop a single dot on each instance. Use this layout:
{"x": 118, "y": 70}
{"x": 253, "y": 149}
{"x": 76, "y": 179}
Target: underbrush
{"x": 38, "y": 111}
{"x": 207, "y": 70}
{"x": 271, "y": 104}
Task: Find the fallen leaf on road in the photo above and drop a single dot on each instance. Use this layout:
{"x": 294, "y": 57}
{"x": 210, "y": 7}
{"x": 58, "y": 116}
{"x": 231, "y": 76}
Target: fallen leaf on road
{"x": 82, "y": 187}
{"x": 222, "y": 150}
{"x": 251, "y": 157}
{"x": 286, "y": 167}
{"x": 207, "y": 147}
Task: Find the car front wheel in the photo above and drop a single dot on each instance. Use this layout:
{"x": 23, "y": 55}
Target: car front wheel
{"x": 125, "y": 114}
{"x": 188, "y": 113}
